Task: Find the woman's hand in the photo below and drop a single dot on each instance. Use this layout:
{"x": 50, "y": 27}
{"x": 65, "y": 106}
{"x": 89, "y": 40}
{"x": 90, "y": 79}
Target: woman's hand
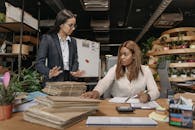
{"x": 92, "y": 94}
{"x": 55, "y": 71}
{"x": 77, "y": 73}
{"x": 144, "y": 97}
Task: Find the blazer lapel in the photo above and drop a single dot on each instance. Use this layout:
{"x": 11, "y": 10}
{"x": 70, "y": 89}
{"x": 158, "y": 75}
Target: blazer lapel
{"x": 70, "y": 52}
{"x": 57, "y": 43}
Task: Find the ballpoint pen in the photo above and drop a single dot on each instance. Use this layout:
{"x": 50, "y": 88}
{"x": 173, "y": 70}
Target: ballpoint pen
{"x": 129, "y": 97}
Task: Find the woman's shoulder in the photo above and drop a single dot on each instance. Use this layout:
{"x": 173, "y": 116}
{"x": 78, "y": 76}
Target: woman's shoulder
{"x": 113, "y": 68}
{"x": 47, "y": 35}
{"x": 145, "y": 68}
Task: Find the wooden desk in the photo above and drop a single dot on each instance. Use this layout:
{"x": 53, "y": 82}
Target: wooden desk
{"x": 105, "y": 109}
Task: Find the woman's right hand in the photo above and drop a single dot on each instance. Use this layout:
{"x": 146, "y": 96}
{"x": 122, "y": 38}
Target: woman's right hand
{"x": 55, "y": 71}
{"x": 92, "y": 94}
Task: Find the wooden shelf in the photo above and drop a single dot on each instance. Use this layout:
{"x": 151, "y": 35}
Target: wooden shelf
{"x": 172, "y": 51}
{"x": 15, "y": 27}
{"x": 182, "y": 29}
{"x": 182, "y": 65}
{"x": 189, "y": 87}
{"x": 177, "y": 65}
{"x": 9, "y": 54}
{"x": 180, "y": 79}
{"x": 171, "y": 39}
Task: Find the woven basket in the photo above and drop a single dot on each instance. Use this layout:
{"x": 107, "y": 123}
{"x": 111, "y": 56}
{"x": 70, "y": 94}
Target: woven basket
{"x": 16, "y": 49}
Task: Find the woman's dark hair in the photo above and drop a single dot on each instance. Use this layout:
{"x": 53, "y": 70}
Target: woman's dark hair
{"x": 135, "y": 67}
{"x": 61, "y": 18}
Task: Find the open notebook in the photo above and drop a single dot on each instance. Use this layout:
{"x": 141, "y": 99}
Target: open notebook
{"x": 120, "y": 121}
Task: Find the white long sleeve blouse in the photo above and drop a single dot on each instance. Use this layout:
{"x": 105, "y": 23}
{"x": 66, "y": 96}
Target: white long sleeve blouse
{"x": 123, "y": 87}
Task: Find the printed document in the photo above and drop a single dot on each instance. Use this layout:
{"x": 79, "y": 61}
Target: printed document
{"x": 120, "y": 121}
{"x": 135, "y": 103}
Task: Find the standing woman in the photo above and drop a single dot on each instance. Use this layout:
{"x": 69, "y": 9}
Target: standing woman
{"x": 128, "y": 77}
{"x": 57, "y": 57}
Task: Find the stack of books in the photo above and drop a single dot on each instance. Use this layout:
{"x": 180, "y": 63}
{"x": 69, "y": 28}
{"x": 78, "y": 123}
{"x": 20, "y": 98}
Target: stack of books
{"x": 60, "y": 112}
{"x": 65, "y": 88}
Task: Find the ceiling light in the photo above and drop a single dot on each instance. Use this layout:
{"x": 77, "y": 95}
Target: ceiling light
{"x": 95, "y": 5}
{"x": 100, "y": 24}
{"x": 138, "y": 10}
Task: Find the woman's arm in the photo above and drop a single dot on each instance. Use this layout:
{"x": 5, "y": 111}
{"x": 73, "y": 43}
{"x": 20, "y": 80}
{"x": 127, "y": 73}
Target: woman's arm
{"x": 42, "y": 55}
{"x": 151, "y": 84}
{"x": 102, "y": 85}
{"x": 105, "y": 83}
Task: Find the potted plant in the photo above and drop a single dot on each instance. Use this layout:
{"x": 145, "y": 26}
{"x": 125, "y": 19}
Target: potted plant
{"x": 29, "y": 80}
{"x": 7, "y": 96}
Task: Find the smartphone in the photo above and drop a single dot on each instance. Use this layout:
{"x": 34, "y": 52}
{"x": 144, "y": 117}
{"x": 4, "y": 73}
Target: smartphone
{"x": 124, "y": 109}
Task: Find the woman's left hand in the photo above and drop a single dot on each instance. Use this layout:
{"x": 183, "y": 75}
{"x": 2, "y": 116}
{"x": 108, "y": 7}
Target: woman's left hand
{"x": 77, "y": 73}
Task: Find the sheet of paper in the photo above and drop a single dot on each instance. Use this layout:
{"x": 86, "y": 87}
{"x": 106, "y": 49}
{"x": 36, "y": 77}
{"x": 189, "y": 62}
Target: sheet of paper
{"x": 148, "y": 105}
{"x": 120, "y": 121}
{"x": 123, "y": 99}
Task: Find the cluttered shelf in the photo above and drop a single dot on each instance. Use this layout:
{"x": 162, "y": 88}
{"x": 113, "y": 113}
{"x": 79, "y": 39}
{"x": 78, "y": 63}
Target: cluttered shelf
{"x": 172, "y": 39}
{"x": 178, "y": 79}
{"x": 176, "y": 65}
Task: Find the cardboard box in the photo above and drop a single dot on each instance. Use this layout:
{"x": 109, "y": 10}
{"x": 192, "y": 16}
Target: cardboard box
{"x": 14, "y": 14}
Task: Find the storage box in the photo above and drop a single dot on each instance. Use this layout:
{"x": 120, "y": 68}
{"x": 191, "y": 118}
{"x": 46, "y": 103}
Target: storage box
{"x": 16, "y": 49}
{"x": 14, "y": 14}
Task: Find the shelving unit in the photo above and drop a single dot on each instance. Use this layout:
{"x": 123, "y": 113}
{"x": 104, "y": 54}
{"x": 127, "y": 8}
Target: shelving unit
{"x": 176, "y": 42}
{"x": 15, "y": 27}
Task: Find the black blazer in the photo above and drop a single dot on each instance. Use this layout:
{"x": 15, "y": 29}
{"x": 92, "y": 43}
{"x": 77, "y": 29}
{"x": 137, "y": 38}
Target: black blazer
{"x": 50, "y": 49}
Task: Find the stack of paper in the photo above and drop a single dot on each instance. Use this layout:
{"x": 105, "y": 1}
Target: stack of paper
{"x": 55, "y": 118}
{"x": 68, "y": 102}
{"x": 60, "y": 112}
{"x": 65, "y": 88}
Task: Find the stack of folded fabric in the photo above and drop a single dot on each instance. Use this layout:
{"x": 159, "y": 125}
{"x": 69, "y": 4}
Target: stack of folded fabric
{"x": 65, "y": 88}
{"x": 60, "y": 112}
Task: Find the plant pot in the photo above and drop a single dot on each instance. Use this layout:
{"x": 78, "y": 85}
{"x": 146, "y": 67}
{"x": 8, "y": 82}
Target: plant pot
{"x": 5, "y": 112}
{"x": 174, "y": 76}
{"x": 183, "y": 75}
{"x": 192, "y": 46}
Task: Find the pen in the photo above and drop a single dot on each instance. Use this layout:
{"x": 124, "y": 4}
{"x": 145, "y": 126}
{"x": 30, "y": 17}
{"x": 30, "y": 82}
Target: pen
{"x": 129, "y": 97}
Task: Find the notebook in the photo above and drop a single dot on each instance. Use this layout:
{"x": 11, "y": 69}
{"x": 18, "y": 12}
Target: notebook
{"x": 120, "y": 121}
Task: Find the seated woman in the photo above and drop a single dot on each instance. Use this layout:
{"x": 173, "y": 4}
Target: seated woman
{"x": 128, "y": 77}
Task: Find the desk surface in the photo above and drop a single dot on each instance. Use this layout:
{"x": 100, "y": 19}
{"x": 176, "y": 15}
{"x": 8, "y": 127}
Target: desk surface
{"x": 105, "y": 109}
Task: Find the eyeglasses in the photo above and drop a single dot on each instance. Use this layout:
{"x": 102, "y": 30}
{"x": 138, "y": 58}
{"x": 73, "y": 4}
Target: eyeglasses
{"x": 72, "y": 25}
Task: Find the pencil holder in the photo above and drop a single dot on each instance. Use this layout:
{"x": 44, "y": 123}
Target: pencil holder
{"x": 181, "y": 115}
